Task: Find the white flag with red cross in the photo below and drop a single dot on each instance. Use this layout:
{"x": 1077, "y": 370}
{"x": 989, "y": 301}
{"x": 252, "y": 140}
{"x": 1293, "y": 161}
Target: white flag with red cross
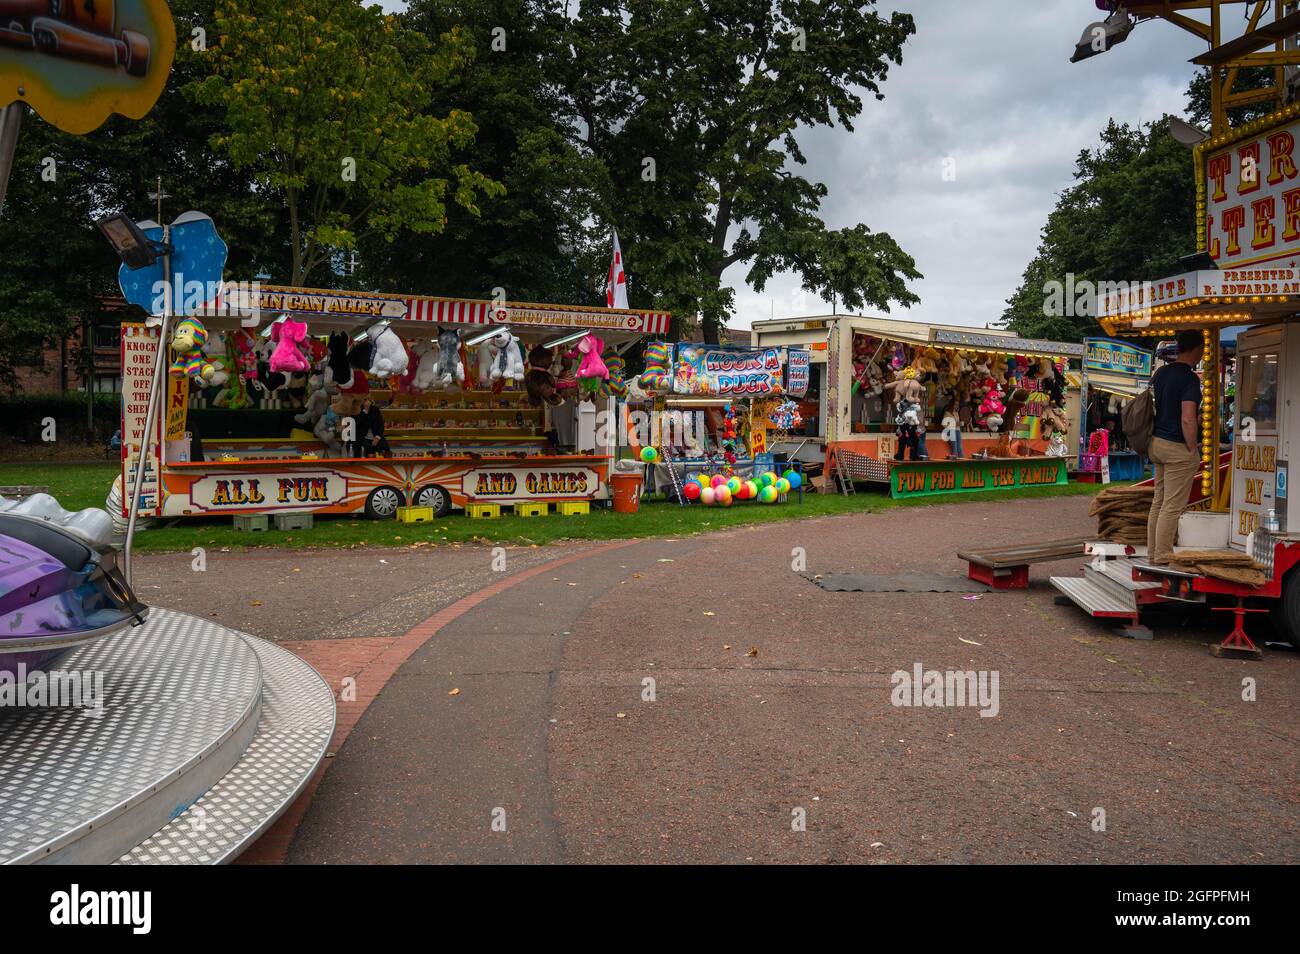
{"x": 616, "y": 285}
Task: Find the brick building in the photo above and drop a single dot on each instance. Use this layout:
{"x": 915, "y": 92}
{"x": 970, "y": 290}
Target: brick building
{"x": 61, "y": 369}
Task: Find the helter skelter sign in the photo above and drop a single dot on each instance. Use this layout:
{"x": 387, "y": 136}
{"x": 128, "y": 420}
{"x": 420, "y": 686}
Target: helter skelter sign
{"x": 1249, "y": 193}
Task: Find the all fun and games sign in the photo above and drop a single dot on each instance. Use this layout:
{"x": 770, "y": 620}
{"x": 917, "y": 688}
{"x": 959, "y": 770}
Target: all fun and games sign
{"x": 491, "y": 484}
{"x": 710, "y": 370}
{"x": 921, "y": 479}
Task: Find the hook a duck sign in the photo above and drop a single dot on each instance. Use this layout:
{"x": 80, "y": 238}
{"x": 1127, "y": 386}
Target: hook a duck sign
{"x": 76, "y": 62}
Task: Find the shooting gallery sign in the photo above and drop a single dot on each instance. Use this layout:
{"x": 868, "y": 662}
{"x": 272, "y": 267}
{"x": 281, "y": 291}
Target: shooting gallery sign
{"x": 76, "y": 62}
{"x": 714, "y": 371}
{"x": 922, "y": 479}
{"x": 1249, "y": 192}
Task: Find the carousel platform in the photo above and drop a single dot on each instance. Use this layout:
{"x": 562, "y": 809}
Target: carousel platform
{"x": 186, "y": 742}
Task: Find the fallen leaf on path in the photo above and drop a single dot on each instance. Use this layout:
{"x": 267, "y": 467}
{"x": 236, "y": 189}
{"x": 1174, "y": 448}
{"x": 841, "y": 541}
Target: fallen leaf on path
{"x": 726, "y": 645}
{"x": 454, "y": 692}
{"x": 969, "y": 641}
{"x": 971, "y": 596}
{"x": 256, "y": 603}
{"x": 622, "y": 715}
{"x": 709, "y": 613}
{"x": 753, "y": 651}
{"x": 665, "y": 560}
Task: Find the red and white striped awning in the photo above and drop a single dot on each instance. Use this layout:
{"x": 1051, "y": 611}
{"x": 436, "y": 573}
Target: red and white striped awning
{"x": 346, "y": 307}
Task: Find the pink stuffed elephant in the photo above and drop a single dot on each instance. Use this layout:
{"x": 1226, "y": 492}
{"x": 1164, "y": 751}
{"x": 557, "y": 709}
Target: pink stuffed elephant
{"x": 288, "y": 335}
{"x": 591, "y": 369}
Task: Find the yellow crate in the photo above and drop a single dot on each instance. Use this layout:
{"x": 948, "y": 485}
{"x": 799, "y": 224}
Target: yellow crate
{"x": 414, "y": 514}
{"x": 529, "y": 508}
{"x": 573, "y": 508}
{"x": 479, "y": 511}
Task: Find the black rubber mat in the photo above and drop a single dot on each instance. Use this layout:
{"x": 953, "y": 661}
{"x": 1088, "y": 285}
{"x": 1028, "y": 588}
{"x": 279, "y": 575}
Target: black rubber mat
{"x": 859, "y": 583}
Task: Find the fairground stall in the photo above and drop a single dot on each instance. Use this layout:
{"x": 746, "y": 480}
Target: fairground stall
{"x": 703, "y": 417}
{"x": 1235, "y": 546}
{"x": 338, "y": 402}
{"x": 979, "y": 409}
{"x": 1113, "y": 373}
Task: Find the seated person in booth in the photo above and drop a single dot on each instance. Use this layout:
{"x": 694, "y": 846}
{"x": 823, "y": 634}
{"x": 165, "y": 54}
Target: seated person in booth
{"x": 1175, "y": 444}
{"x": 370, "y": 431}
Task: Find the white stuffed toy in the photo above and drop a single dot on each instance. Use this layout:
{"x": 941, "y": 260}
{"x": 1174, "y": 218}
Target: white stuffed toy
{"x": 426, "y": 364}
{"x": 388, "y": 357}
{"x": 500, "y": 357}
{"x": 320, "y": 392}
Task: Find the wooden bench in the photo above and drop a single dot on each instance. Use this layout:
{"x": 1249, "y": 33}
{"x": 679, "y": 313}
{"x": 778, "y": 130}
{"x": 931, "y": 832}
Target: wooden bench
{"x": 1007, "y": 568}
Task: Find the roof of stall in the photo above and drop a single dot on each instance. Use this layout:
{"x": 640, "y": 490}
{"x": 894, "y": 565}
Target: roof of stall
{"x": 327, "y": 311}
{"x": 961, "y": 337}
{"x": 1209, "y": 298}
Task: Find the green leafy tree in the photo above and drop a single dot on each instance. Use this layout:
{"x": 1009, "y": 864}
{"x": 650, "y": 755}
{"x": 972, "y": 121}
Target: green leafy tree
{"x": 695, "y": 111}
{"x": 324, "y": 104}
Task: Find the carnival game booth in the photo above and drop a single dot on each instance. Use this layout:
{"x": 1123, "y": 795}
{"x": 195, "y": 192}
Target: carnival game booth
{"x": 1113, "y": 373}
{"x": 1012, "y": 413}
{"x": 481, "y": 403}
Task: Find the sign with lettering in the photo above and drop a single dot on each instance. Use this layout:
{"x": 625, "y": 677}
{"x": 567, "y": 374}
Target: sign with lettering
{"x": 1254, "y": 485}
{"x": 1252, "y": 197}
{"x": 267, "y": 493}
{"x": 798, "y": 368}
{"x": 1107, "y": 354}
{"x": 138, "y": 349}
{"x": 972, "y": 476}
{"x": 490, "y": 484}
{"x": 724, "y": 372}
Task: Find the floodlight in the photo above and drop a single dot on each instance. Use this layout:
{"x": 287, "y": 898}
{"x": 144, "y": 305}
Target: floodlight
{"x": 1101, "y": 36}
{"x": 1185, "y": 133}
{"x": 133, "y": 247}
{"x": 490, "y": 333}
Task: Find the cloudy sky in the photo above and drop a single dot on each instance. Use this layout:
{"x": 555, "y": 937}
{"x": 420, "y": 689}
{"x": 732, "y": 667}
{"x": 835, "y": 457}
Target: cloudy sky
{"x": 989, "y": 85}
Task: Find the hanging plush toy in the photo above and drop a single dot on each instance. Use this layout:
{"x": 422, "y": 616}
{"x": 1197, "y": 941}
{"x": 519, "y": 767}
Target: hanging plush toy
{"x": 187, "y": 343}
{"x": 992, "y": 408}
{"x": 539, "y": 381}
{"x": 246, "y": 355}
{"x": 499, "y": 359}
{"x": 449, "y": 369}
{"x": 320, "y": 394}
{"x": 614, "y": 386}
{"x": 425, "y": 353}
{"x": 388, "y": 357}
{"x": 729, "y": 434}
{"x": 288, "y": 335}
{"x": 591, "y": 369}
{"x": 658, "y": 361}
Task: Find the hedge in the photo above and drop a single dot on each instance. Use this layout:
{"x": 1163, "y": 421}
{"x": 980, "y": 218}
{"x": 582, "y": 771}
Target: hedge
{"x": 21, "y": 417}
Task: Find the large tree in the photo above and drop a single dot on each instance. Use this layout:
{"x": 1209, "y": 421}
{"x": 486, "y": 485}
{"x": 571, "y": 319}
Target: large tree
{"x": 695, "y": 110}
{"x": 325, "y": 103}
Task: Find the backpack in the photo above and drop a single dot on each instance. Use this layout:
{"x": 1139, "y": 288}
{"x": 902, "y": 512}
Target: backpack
{"x": 1138, "y": 418}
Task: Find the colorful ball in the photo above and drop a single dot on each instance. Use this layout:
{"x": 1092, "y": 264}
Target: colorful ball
{"x": 717, "y": 481}
{"x": 733, "y": 485}
{"x": 751, "y": 490}
{"x": 782, "y": 485}
{"x": 766, "y": 480}
{"x": 649, "y": 454}
{"x": 767, "y": 494}
{"x": 795, "y": 478}
{"x": 691, "y": 490}
{"x": 706, "y": 496}
{"x": 722, "y": 497}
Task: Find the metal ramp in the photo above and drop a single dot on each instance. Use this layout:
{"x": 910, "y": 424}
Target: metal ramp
{"x": 201, "y": 738}
{"x": 1108, "y": 590}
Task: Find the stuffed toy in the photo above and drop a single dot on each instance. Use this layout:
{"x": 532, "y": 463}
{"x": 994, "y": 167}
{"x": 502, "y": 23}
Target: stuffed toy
{"x": 321, "y": 393}
{"x": 288, "y": 335}
{"x": 992, "y": 409}
{"x": 246, "y": 355}
{"x": 539, "y": 381}
{"x": 329, "y": 426}
{"x": 591, "y": 369}
{"x": 499, "y": 359}
{"x": 658, "y": 361}
{"x": 187, "y": 342}
{"x": 448, "y": 368}
{"x": 339, "y": 367}
{"x": 614, "y": 386}
{"x": 388, "y": 357}
{"x": 426, "y": 364}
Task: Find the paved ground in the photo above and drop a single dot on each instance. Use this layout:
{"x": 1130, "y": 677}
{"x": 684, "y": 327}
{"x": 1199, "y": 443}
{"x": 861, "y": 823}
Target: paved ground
{"x": 550, "y": 728}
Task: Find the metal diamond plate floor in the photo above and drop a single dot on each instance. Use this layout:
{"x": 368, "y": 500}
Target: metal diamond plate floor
{"x": 175, "y": 690}
{"x": 296, "y": 725}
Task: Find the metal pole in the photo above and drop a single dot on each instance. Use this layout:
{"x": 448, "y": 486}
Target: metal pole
{"x": 11, "y": 118}
{"x": 157, "y": 389}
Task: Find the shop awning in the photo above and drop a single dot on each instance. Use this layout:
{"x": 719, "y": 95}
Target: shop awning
{"x": 1005, "y": 344}
{"x": 1124, "y": 385}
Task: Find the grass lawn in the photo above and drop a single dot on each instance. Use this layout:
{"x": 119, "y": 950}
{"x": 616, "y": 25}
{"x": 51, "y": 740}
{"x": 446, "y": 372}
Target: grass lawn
{"x": 85, "y": 485}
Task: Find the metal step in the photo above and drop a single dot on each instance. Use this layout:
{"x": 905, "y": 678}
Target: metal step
{"x": 1114, "y": 588}
{"x": 1096, "y": 600}
{"x": 1121, "y": 572}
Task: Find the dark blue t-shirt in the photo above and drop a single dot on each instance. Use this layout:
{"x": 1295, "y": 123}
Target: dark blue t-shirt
{"x": 1174, "y": 384}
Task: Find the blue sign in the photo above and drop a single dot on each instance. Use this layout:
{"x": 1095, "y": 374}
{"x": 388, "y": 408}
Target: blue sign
{"x": 196, "y": 265}
{"x": 798, "y": 368}
{"x": 1107, "y": 354}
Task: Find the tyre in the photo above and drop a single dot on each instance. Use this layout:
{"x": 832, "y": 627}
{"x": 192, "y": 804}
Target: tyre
{"x": 435, "y": 497}
{"x": 1289, "y": 622}
{"x": 382, "y": 503}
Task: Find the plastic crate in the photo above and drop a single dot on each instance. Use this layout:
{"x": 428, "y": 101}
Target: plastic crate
{"x": 293, "y": 521}
{"x": 481, "y": 511}
{"x": 414, "y": 514}
{"x": 531, "y": 508}
{"x": 253, "y": 522}
{"x": 573, "y": 508}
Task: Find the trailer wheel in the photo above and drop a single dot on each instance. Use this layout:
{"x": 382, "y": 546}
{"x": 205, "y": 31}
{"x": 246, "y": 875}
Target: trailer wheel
{"x": 382, "y": 503}
{"x": 435, "y": 497}
{"x": 1291, "y": 608}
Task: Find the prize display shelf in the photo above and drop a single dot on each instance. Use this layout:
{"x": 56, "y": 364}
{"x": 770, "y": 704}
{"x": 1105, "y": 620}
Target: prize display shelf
{"x": 455, "y": 415}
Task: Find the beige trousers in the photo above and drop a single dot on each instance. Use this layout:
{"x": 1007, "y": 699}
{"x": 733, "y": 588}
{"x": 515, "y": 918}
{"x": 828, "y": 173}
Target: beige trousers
{"x": 1176, "y": 469}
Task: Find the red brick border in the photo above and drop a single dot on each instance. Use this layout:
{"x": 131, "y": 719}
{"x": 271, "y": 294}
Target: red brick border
{"x": 273, "y": 846}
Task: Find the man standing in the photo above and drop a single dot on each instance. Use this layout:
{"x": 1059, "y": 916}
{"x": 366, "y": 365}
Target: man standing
{"x": 1175, "y": 444}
